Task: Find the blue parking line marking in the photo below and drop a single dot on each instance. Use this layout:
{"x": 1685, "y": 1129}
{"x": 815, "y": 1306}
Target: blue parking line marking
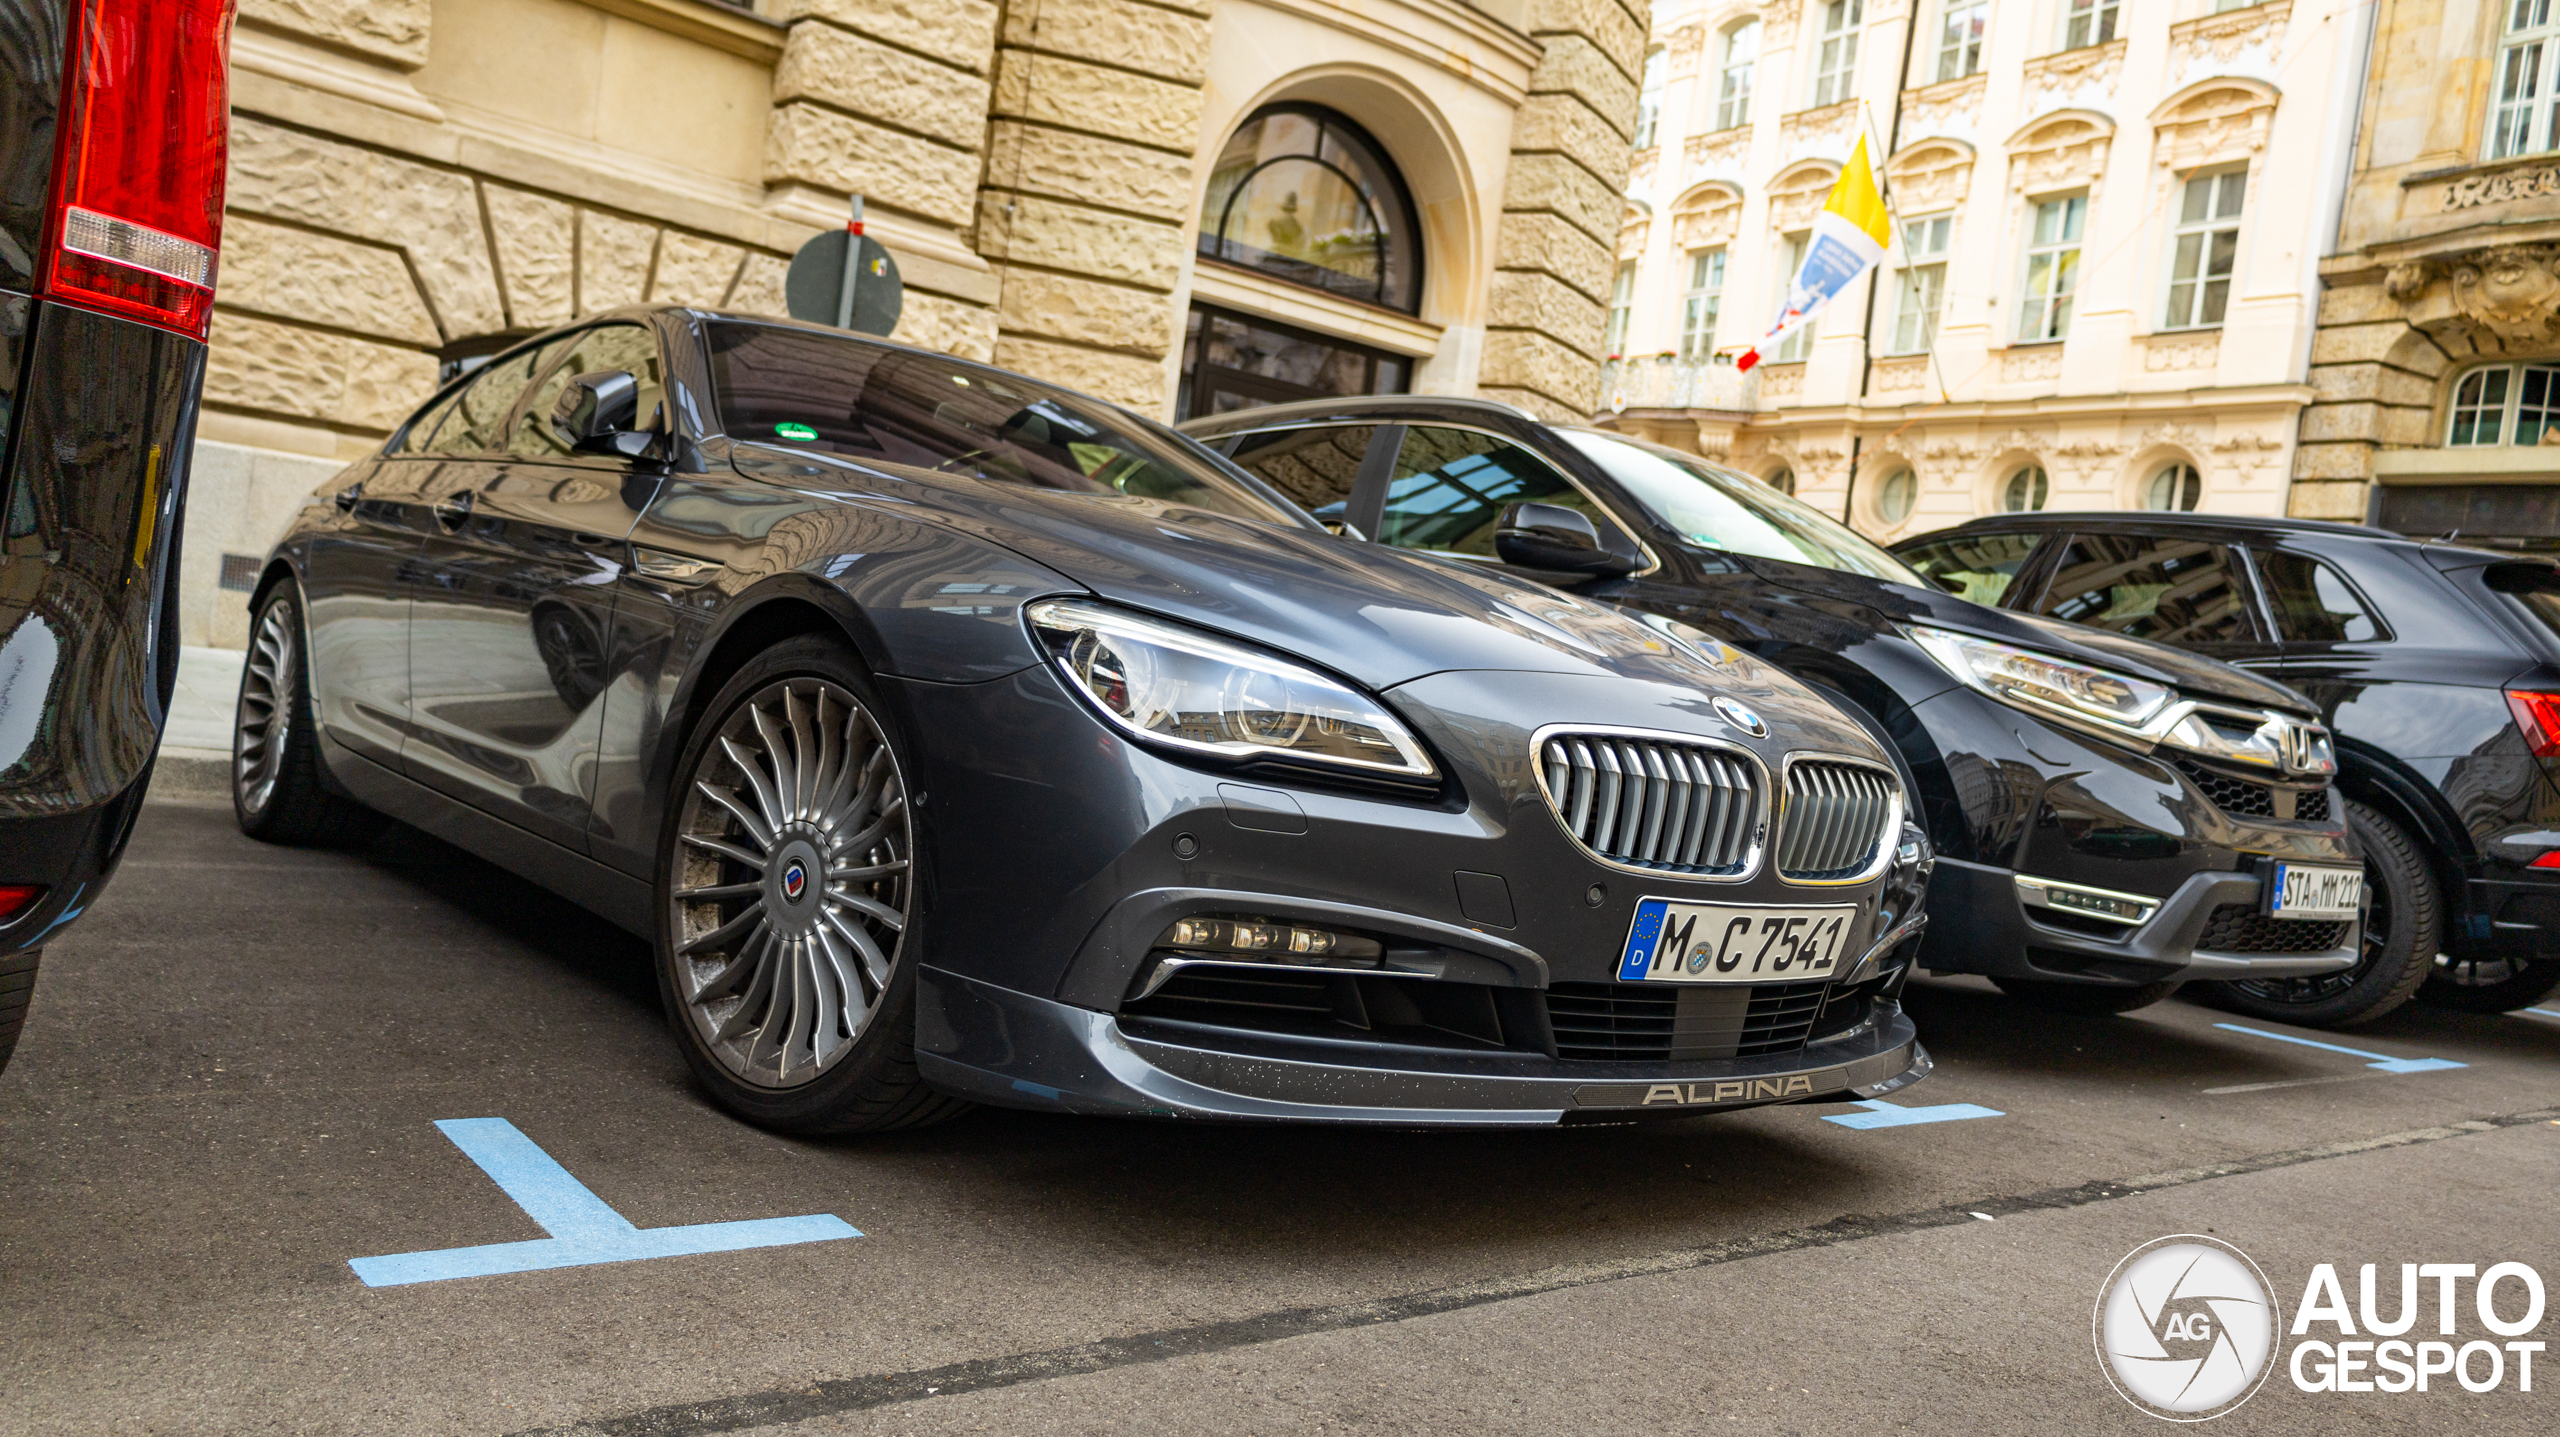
{"x": 583, "y": 1228}
{"x": 2385, "y": 1062}
{"x": 1881, "y": 1114}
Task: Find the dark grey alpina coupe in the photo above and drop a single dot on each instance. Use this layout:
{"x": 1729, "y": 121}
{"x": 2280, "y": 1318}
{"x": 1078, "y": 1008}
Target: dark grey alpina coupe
{"x": 956, "y": 738}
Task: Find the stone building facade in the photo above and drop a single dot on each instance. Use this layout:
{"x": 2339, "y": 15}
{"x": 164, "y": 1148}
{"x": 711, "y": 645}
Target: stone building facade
{"x": 2439, "y": 345}
{"x": 416, "y": 183}
{"x": 2108, "y": 221}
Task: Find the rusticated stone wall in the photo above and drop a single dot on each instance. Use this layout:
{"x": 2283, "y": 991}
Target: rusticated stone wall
{"x": 1562, "y": 208}
{"x": 1088, "y": 186}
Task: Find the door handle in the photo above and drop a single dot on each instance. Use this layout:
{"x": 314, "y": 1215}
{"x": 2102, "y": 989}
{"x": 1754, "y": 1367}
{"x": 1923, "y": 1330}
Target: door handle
{"x": 347, "y": 497}
{"x": 673, "y": 568}
{"x": 451, "y": 513}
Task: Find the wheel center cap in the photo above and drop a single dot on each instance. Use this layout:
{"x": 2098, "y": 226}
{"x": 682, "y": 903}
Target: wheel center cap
{"x": 793, "y": 884}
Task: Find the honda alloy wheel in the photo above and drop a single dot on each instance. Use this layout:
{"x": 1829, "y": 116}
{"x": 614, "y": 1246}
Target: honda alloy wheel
{"x": 788, "y": 895}
{"x": 2402, "y": 929}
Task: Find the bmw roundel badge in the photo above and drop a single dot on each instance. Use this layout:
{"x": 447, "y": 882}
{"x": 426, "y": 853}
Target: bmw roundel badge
{"x": 795, "y": 880}
{"x": 1741, "y": 718}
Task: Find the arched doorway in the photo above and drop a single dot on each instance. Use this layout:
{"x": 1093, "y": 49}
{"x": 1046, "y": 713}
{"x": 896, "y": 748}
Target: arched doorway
{"x": 1301, "y": 195}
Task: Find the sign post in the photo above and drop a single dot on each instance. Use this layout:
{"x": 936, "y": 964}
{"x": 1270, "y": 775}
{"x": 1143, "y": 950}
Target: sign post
{"x": 846, "y": 279}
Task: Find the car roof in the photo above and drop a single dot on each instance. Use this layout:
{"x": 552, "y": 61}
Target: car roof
{"x": 2445, "y": 552}
{"x": 1360, "y": 406}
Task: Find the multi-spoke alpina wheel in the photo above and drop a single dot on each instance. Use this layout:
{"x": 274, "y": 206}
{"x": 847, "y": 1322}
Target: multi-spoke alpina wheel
{"x": 788, "y": 894}
{"x": 276, "y": 791}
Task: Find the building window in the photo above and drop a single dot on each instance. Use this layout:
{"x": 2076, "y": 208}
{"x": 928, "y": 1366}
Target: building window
{"x": 1304, "y": 195}
{"x": 2507, "y": 404}
{"x": 2176, "y": 487}
{"x": 1799, "y": 343}
{"x": 2025, "y": 492}
{"x": 1783, "y": 480}
{"x": 1649, "y": 100}
{"x": 1240, "y": 361}
{"x": 2527, "y": 89}
{"x": 1960, "y": 37}
{"x": 1924, "y": 283}
{"x": 2053, "y": 268}
{"x": 1733, "y": 75}
{"x": 1622, "y": 306}
{"x": 1835, "y": 68}
{"x": 2202, "y": 250}
{"x": 2220, "y": 6}
{"x": 1699, "y": 307}
{"x": 1895, "y": 496}
{"x": 2087, "y": 22}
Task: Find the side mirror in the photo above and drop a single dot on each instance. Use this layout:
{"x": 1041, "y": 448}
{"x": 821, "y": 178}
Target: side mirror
{"x": 599, "y": 413}
{"x": 1557, "y": 538}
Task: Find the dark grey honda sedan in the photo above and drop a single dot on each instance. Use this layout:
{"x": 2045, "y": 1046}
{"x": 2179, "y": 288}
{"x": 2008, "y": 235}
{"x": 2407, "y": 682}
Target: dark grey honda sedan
{"x": 956, "y": 738}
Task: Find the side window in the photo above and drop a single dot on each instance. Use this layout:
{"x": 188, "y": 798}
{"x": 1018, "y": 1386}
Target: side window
{"x": 1315, "y": 467}
{"x": 475, "y": 424}
{"x": 421, "y": 432}
{"x": 2177, "y": 591}
{"x": 625, "y": 347}
{"x": 2311, "y": 603}
{"x": 1979, "y": 567}
{"x": 1450, "y": 486}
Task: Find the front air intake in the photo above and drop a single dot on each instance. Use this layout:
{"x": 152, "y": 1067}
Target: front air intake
{"x": 1838, "y": 820}
{"x": 1654, "y": 802}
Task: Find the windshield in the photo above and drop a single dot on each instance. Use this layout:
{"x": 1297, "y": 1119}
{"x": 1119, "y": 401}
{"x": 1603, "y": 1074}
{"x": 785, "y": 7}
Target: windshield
{"x": 1719, "y": 509}
{"x": 801, "y": 389}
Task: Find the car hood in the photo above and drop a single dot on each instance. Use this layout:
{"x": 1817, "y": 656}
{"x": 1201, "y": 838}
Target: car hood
{"x": 1373, "y": 614}
{"x": 2196, "y": 675}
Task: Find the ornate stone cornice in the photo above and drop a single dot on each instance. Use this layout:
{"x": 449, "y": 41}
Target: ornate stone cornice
{"x": 2222, "y": 37}
{"x": 1719, "y": 153}
{"x": 2055, "y": 78}
{"x": 1948, "y": 105}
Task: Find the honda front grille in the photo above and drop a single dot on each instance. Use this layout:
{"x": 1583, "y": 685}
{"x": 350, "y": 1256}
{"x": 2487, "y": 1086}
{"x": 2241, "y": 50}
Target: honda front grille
{"x": 1837, "y": 818}
{"x": 1653, "y": 802}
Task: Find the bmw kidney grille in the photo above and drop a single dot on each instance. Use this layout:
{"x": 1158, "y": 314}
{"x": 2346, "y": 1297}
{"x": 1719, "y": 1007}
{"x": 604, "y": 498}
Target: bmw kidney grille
{"x": 1682, "y": 808}
{"x": 1835, "y": 821}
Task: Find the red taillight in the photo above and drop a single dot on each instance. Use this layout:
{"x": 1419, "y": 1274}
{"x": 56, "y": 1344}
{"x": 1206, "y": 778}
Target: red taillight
{"x": 15, "y": 897}
{"x": 139, "y": 168}
{"x": 2538, "y": 715}
{"x": 2548, "y": 860}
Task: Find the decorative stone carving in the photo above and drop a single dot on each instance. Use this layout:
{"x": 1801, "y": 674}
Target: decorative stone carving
{"x": 2510, "y": 291}
{"x": 1720, "y": 153}
{"x": 2219, "y": 121}
{"x": 2169, "y": 354}
{"x": 2059, "y": 151}
{"x": 1631, "y": 235}
{"x": 1781, "y": 384}
{"x": 1946, "y": 106}
{"x": 1799, "y": 193}
{"x": 2224, "y": 36}
{"x": 2172, "y": 435}
{"x": 1683, "y": 49}
{"x": 1777, "y": 20}
{"x": 2055, "y": 78}
{"x": 1930, "y": 175}
{"x": 1808, "y": 132}
{"x": 2027, "y": 366}
{"x": 1640, "y": 167}
{"x": 1897, "y": 376}
{"x": 2471, "y": 190}
{"x": 1706, "y": 216}
{"x": 2405, "y": 282}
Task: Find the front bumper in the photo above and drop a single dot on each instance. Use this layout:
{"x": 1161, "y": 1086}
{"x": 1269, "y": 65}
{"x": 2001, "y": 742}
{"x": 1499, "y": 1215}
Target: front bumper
{"x": 1977, "y": 924}
{"x": 994, "y": 1045}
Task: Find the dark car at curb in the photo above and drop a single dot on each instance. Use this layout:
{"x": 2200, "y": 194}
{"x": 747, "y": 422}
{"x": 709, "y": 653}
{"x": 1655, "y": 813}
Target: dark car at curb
{"x": 2072, "y": 783}
{"x": 958, "y": 739}
{"x": 112, "y": 135}
{"x": 2436, "y": 665}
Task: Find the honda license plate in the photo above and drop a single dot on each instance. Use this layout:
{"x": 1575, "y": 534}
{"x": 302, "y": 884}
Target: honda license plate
{"x": 1733, "y": 943}
{"x": 2296, "y": 891}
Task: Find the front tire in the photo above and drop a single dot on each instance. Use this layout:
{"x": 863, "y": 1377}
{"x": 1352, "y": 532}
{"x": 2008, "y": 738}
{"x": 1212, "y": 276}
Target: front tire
{"x": 2092, "y": 1000}
{"x": 2488, "y": 985}
{"x": 788, "y": 920}
{"x": 17, "y": 985}
{"x": 276, "y": 790}
{"x": 2403, "y": 931}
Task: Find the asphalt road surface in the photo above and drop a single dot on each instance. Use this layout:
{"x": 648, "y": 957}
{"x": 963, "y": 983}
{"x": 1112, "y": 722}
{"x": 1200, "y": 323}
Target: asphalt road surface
{"x": 230, "y": 1083}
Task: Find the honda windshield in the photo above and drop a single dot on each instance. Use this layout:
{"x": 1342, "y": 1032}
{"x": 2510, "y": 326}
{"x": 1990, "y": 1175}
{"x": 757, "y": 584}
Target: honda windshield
{"x": 1718, "y": 509}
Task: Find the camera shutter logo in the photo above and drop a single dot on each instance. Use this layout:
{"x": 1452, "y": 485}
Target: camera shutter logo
{"x": 2186, "y": 1328}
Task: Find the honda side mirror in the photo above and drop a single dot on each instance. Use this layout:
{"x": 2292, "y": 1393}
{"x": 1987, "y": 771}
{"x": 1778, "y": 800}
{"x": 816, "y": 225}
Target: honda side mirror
{"x": 1555, "y": 538}
{"x": 599, "y": 414}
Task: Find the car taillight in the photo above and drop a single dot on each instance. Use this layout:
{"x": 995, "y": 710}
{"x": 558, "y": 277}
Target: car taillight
{"x": 2538, "y": 715}
{"x": 14, "y": 897}
{"x": 139, "y": 168}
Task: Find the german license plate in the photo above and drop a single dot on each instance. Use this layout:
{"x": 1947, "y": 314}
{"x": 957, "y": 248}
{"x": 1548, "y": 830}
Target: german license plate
{"x": 2315, "y": 893}
{"x": 1732, "y": 943}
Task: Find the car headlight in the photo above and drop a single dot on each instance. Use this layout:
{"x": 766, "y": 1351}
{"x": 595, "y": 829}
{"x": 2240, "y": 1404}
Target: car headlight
{"x": 1179, "y": 687}
{"x": 2045, "y": 684}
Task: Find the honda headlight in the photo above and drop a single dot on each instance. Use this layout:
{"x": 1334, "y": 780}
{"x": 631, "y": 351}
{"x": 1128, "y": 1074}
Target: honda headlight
{"x": 1179, "y": 687}
{"x": 2112, "y": 702}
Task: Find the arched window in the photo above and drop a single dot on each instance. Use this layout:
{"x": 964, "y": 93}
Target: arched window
{"x": 1304, "y": 195}
{"x": 1895, "y": 496}
{"x": 1782, "y": 479}
{"x": 2175, "y": 487}
{"x": 2025, "y": 490}
{"x": 1741, "y": 55}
